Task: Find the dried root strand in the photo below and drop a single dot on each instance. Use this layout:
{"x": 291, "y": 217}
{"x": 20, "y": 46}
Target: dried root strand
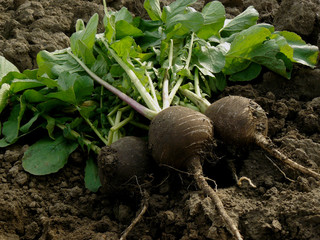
{"x": 145, "y": 204}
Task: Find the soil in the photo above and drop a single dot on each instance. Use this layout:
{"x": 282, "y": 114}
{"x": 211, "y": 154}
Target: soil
{"x": 283, "y": 205}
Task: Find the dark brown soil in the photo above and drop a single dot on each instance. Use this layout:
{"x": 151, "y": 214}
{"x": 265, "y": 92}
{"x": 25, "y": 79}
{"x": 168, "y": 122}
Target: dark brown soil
{"x": 284, "y": 205}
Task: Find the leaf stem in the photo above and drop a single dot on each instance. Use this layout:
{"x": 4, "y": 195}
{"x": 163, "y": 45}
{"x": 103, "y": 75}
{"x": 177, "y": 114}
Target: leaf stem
{"x": 165, "y": 89}
{"x": 76, "y": 135}
{"x": 180, "y": 80}
{"x": 200, "y": 102}
{"x": 93, "y": 127}
{"x": 151, "y": 86}
{"x": 196, "y": 82}
{"x": 135, "y": 80}
{"x": 190, "y": 51}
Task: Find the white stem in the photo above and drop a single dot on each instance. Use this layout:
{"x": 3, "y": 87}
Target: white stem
{"x": 200, "y": 102}
{"x": 196, "y": 83}
{"x": 190, "y": 51}
{"x": 165, "y": 88}
{"x": 135, "y": 80}
{"x": 175, "y": 89}
{"x": 152, "y": 89}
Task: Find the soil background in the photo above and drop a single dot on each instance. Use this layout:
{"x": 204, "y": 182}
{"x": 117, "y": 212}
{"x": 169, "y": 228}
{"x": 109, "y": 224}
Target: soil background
{"x": 284, "y": 204}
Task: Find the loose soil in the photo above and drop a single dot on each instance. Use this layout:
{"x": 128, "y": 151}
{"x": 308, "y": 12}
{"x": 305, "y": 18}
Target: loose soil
{"x": 284, "y": 204}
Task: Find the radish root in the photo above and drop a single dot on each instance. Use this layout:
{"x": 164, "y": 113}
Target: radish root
{"x": 195, "y": 168}
{"x": 266, "y": 144}
{"x": 138, "y": 217}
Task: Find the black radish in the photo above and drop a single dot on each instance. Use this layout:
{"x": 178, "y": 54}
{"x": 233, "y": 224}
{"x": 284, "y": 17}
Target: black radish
{"x": 123, "y": 160}
{"x": 241, "y": 121}
{"x": 178, "y": 137}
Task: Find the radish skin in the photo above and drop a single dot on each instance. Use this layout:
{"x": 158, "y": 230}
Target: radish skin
{"x": 179, "y": 137}
{"x": 240, "y": 121}
{"x": 124, "y": 159}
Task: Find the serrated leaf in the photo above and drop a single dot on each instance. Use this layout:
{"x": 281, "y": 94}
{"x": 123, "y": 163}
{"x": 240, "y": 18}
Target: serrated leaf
{"x": 91, "y": 177}
{"x": 47, "y": 156}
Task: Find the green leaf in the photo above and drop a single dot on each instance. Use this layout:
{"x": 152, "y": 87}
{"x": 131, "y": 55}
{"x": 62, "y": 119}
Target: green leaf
{"x": 6, "y": 67}
{"x": 73, "y": 88}
{"x": 47, "y": 156}
{"x": 123, "y": 15}
{"x": 86, "y": 53}
{"x": 10, "y": 129}
{"x": 20, "y": 85}
{"x": 51, "y": 123}
{"x": 123, "y": 46}
{"x": 175, "y": 8}
{"x": 248, "y": 74}
{"x": 177, "y": 32}
{"x": 218, "y": 82}
{"x": 4, "y": 96}
{"x": 110, "y": 26}
{"x": 214, "y": 17}
{"x": 241, "y": 22}
{"x": 55, "y": 63}
{"x": 192, "y": 21}
{"x": 303, "y": 53}
{"x": 124, "y": 29}
{"x": 80, "y": 25}
{"x": 283, "y": 45}
{"x": 12, "y": 76}
{"x": 51, "y": 105}
{"x": 209, "y": 57}
{"x": 237, "y": 58}
{"x": 255, "y": 45}
{"x": 87, "y": 36}
{"x": 33, "y": 96}
{"x": 100, "y": 66}
{"x": 149, "y": 39}
{"x": 153, "y": 9}
{"x": 25, "y": 128}
{"x": 91, "y": 177}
